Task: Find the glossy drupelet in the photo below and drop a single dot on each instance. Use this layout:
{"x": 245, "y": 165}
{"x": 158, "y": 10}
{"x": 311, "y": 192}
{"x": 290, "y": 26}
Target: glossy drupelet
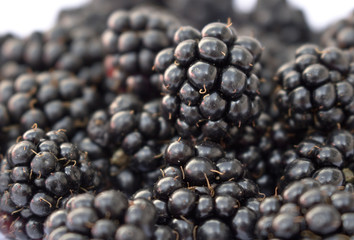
{"x": 38, "y": 174}
{"x": 131, "y": 41}
{"x": 209, "y": 81}
{"x": 316, "y": 89}
{"x": 309, "y": 210}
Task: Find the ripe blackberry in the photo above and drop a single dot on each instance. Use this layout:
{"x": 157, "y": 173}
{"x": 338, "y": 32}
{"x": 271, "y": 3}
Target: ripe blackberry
{"x": 326, "y": 158}
{"x": 107, "y": 215}
{"x": 308, "y": 210}
{"x": 50, "y": 99}
{"x": 340, "y": 34}
{"x": 132, "y": 137}
{"x": 316, "y": 90}
{"x": 209, "y": 80}
{"x": 200, "y": 188}
{"x": 132, "y": 40}
{"x": 37, "y": 176}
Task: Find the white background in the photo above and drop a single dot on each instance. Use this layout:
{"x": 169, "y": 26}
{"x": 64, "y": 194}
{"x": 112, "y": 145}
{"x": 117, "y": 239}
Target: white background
{"x": 24, "y": 16}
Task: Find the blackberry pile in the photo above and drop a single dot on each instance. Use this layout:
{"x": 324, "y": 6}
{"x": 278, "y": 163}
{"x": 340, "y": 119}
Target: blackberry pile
{"x": 307, "y": 210}
{"x": 209, "y": 81}
{"x": 38, "y": 175}
{"x": 121, "y": 123}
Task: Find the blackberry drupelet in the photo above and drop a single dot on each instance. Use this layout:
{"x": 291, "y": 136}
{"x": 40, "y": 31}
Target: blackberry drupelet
{"x": 107, "y": 215}
{"x": 209, "y": 80}
{"x": 316, "y": 90}
{"x": 200, "y": 188}
{"x": 327, "y": 158}
{"x": 56, "y": 99}
{"x": 37, "y": 176}
{"x": 132, "y": 40}
{"x": 308, "y": 210}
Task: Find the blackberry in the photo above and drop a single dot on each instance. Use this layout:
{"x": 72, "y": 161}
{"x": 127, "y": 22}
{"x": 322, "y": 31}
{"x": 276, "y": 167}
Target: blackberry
{"x": 133, "y": 135}
{"x": 340, "y": 34}
{"x": 327, "y": 158}
{"x": 37, "y": 175}
{"x": 308, "y": 210}
{"x": 209, "y": 80}
{"x": 316, "y": 89}
{"x": 78, "y": 50}
{"x": 50, "y": 99}
{"x": 107, "y": 215}
{"x": 200, "y": 188}
{"x": 132, "y": 40}
{"x": 289, "y": 24}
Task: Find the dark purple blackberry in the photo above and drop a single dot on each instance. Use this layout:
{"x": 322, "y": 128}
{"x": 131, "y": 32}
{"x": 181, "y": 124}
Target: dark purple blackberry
{"x": 326, "y": 158}
{"x": 55, "y": 99}
{"x": 200, "y": 188}
{"x": 130, "y": 137}
{"x": 308, "y": 210}
{"x": 107, "y": 215}
{"x": 209, "y": 80}
{"x": 289, "y": 23}
{"x": 316, "y": 89}
{"x": 340, "y": 34}
{"x": 38, "y": 173}
{"x": 131, "y": 41}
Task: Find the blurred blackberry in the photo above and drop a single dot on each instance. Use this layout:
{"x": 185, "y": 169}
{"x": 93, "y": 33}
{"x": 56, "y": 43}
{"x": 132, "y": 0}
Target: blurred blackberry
{"x": 37, "y": 176}
{"x": 307, "y": 210}
{"x": 202, "y": 12}
{"x": 282, "y": 19}
{"x": 94, "y": 13}
{"x": 203, "y": 193}
{"x": 131, "y": 41}
{"x": 316, "y": 89}
{"x": 11, "y": 57}
{"x": 78, "y": 50}
{"x": 54, "y": 99}
{"x": 108, "y": 215}
{"x": 133, "y": 135}
{"x": 327, "y": 158}
{"x": 209, "y": 81}
{"x": 340, "y": 34}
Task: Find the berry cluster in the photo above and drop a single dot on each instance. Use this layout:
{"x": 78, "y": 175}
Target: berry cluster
{"x": 178, "y": 120}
